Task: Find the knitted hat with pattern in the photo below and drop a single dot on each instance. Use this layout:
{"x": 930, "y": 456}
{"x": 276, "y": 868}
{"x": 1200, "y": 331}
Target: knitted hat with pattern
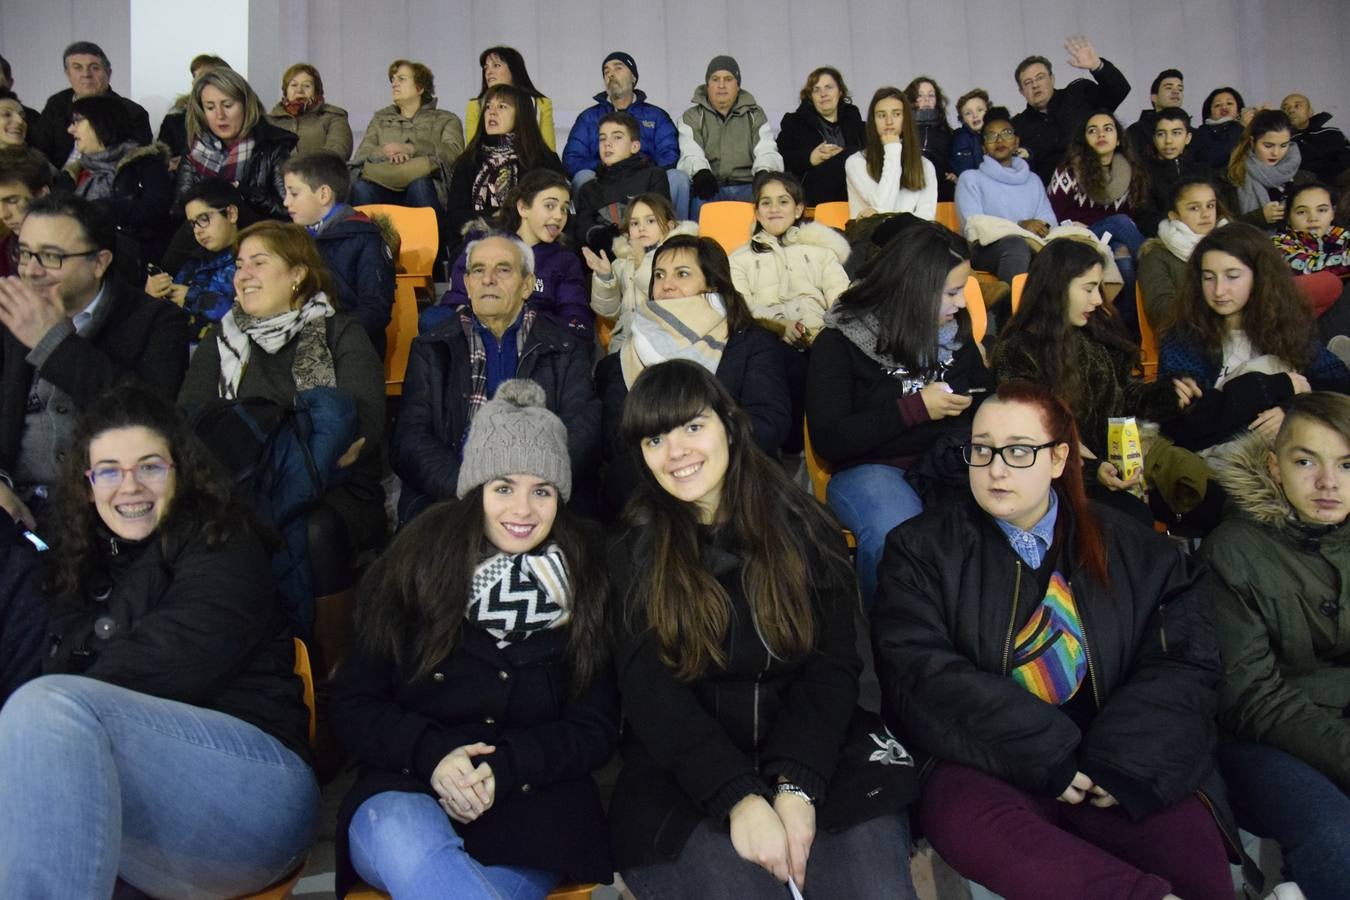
{"x": 514, "y": 434}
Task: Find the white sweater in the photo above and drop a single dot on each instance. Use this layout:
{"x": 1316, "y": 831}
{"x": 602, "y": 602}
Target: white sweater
{"x": 886, "y": 195}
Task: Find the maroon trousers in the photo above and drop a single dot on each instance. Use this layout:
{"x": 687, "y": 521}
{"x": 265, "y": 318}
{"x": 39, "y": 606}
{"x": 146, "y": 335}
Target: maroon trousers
{"x": 1020, "y": 846}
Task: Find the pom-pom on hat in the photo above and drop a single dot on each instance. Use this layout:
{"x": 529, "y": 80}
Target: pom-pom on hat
{"x": 514, "y": 434}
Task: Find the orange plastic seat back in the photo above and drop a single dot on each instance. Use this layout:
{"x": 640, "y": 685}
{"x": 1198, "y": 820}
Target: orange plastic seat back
{"x": 727, "y": 221}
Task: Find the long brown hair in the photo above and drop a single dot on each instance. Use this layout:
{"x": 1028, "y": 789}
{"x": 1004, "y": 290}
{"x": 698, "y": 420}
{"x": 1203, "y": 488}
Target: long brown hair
{"x": 1091, "y": 175}
{"x": 412, "y": 602}
{"x": 1058, "y": 421}
{"x": 712, "y": 262}
{"x": 1263, "y": 123}
{"x": 530, "y": 146}
{"x": 794, "y": 557}
{"x": 1042, "y": 315}
{"x": 1276, "y": 318}
{"x": 911, "y": 154}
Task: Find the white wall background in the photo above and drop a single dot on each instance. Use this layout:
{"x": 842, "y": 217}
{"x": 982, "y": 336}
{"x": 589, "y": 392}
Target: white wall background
{"x": 160, "y": 56}
{"x": 1263, "y": 47}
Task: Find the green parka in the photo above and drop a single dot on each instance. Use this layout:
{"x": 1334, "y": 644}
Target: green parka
{"x": 1283, "y": 620}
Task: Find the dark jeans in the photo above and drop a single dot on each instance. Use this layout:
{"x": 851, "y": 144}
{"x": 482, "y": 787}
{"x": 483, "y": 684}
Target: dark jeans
{"x": 871, "y": 859}
{"x": 1277, "y": 795}
{"x": 1125, "y": 236}
{"x": 1036, "y": 848}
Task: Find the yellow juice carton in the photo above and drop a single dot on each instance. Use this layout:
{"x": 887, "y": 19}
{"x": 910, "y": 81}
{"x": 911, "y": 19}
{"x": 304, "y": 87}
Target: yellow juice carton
{"x": 1125, "y": 450}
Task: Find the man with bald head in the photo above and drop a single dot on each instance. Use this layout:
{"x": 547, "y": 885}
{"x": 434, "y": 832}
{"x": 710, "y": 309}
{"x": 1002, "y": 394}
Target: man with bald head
{"x": 454, "y": 368}
{"x": 1325, "y": 150}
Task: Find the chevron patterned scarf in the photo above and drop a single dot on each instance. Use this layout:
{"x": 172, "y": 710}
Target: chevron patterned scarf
{"x": 515, "y": 595}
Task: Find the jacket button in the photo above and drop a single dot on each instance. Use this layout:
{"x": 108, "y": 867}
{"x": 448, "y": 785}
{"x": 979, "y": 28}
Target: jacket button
{"x": 524, "y": 788}
{"x": 407, "y": 771}
{"x": 438, "y": 676}
{"x": 488, "y": 720}
{"x": 61, "y": 456}
{"x": 62, "y": 409}
{"x": 504, "y": 675}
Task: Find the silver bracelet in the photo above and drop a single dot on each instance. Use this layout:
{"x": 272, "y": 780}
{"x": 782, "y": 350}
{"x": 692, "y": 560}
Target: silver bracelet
{"x": 788, "y": 787}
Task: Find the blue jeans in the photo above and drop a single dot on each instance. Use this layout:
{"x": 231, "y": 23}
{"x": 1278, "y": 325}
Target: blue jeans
{"x": 1277, "y": 795}
{"x": 405, "y": 844}
{"x": 870, "y": 859}
{"x": 677, "y": 180}
{"x": 725, "y": 192}
{"x": 1125, "y": 236}
{"x": 99, "y": 782}
{"x": 870, "y": 500}
{"x": 419, "y": 192}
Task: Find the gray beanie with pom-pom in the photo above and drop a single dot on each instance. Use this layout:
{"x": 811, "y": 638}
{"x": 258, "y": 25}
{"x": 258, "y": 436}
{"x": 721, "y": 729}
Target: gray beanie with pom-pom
{"x": 514, "y": 434}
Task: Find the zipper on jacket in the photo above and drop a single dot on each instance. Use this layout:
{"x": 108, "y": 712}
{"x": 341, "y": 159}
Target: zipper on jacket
{"x": 112, "y": 546}
{"x": 759, "y": 677}
{"x": 1087, "y": 652}
{"x": 1012, "y": 618}
{"x": 1162, "y": 625}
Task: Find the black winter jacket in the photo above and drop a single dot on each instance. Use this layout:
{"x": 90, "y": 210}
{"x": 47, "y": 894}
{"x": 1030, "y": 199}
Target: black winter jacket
{"x": 692, "y": 750}
{"x": 613, "y": 186}
{"x": 57, "y": 142}
{"x": 1046, "y": 133}
{"x": 753, "y": 369}
{"x": 363, "y": 267}
{"x": 193, "y": 622}
{"x": 23, "y": 610}
{"x": 858, "y": 413}
{"x": 142, "y": 193}
{"x": 260, "y": 180}
{"x": 434, "y": 414}
{"x": 952, "y": 593}
{"x": 801, "y": 131}
{"x": 547, "y": 811}
{"x": 1326, "y": 153}
{"x": 140, "y": 338}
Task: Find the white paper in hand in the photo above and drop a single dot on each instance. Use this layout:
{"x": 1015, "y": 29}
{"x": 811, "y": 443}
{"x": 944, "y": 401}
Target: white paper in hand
{"x": 796, "y": 891}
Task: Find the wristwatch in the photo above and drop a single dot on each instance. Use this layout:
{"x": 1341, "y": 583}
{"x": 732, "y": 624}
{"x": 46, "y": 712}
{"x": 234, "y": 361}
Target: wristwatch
{"x": 788, "y": 787}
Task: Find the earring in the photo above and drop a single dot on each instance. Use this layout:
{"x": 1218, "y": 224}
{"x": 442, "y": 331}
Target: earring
{"x": 295, "y": 287}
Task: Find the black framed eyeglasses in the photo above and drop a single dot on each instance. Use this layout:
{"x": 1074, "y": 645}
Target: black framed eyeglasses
{"x": 51, "y": 260}
{"x": 1016, "y": 456}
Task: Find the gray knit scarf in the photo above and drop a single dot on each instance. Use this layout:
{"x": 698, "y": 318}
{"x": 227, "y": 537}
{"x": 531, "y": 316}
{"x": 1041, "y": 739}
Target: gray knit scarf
{"x": 102, "y": 168}
{"x": 1118, "y": 176}
{"x": 1254, "y": 191}
{"x": 313, "y": 363}
{"x": 862, "y": 330}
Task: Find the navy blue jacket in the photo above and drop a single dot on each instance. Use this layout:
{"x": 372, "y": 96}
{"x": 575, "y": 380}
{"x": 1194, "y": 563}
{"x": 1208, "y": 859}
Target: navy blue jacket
{"x": 434, "y": 414}
{"x": 656, "y": 132}
{"x": 967, "y": 150}
{"x": 363, "y": 267}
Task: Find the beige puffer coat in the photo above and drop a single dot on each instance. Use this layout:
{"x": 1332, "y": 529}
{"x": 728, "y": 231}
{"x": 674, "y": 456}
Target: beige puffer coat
{"x": 796, "y": 280}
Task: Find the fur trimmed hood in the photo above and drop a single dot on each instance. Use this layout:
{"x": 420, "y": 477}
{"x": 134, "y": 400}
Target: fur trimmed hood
{"x": 1242, "y": 469}
{"x": 813, "y": 234}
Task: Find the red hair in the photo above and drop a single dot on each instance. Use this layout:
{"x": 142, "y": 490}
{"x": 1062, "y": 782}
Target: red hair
{"x": 1058, "y": 421}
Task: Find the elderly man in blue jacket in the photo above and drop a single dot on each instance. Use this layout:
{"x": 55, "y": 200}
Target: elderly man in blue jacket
{"x": 659, "y": 139}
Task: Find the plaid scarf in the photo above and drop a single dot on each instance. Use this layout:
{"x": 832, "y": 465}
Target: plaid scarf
{"x": 692, "y": 328}
{"x": 498, "y": 172}
{"x": 297, "y": 108}
{"x": 213, "y": 158}
{"x": 478, "y": 357}
{"x": 514, "y": 596}
{"x": 313, "y": 363}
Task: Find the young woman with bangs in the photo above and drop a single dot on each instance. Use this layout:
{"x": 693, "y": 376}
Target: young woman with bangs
{"x": 735, "y": 649}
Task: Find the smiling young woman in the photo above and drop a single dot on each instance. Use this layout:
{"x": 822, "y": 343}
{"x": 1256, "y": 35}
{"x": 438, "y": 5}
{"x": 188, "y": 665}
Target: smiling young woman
{"x": 733, "y": 633}
{"x": 485, "y": 665}
{"x": 169, "y": 653}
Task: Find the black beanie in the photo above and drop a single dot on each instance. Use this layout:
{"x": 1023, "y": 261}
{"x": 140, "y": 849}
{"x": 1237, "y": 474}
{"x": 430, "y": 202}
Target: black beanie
{"x": 623, "y": 58}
